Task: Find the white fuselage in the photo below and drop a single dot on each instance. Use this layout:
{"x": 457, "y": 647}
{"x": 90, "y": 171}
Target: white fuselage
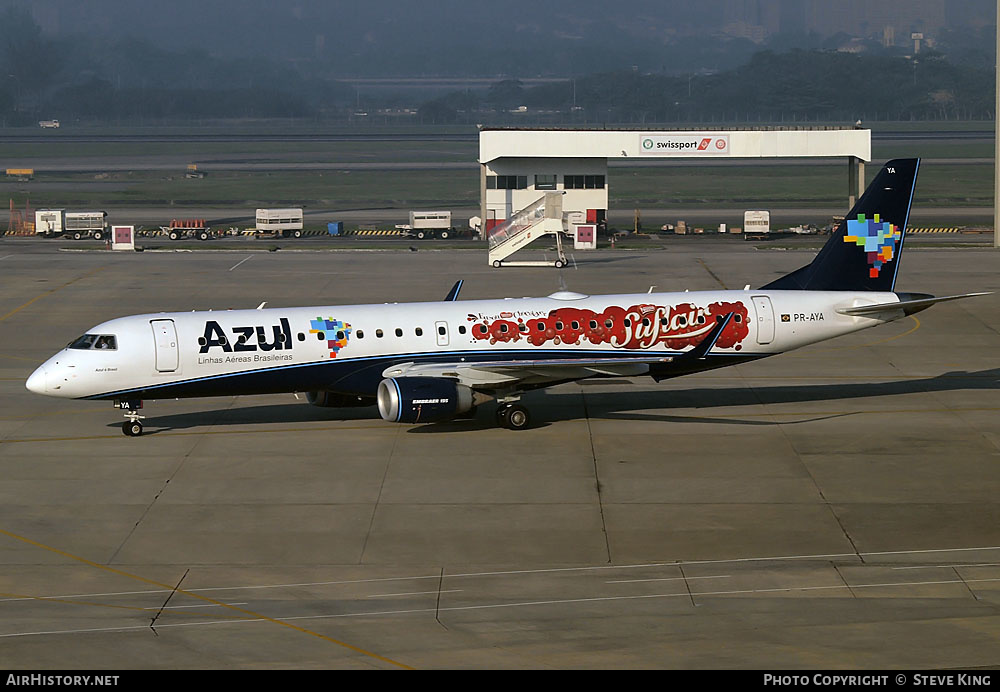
{"x": 346, "y": 348}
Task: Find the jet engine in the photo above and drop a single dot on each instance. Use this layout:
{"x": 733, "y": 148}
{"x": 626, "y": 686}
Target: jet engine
{"x": 422, "y": 399}
{"x": 337, "y": 400}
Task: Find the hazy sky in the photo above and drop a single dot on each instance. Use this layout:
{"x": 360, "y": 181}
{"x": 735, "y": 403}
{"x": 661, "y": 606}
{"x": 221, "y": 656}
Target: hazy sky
{"x": 311, "y": 28}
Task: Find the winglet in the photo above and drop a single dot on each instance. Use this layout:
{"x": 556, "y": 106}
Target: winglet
{"x": 706, "y": 344}
{"x": 453, "y": 293}
{"x": 679, "y": 364}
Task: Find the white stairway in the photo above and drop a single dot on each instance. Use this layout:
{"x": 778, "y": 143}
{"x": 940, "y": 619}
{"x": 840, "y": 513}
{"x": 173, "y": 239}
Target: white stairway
{"x": 542, "y": 217}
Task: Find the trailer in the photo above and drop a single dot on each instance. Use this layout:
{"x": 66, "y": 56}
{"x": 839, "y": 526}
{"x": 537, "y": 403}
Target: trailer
{"x": 433, "y": 224}
{"x": 286, "y": 223}
{"x": 756, "y": 225}
{"x": 188, "y": 228}
{"x": 59, "y": 223}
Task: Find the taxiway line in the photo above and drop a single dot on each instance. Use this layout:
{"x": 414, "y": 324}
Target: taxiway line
{"x": 520, "y": 604}
{"x": 252, "y": 614}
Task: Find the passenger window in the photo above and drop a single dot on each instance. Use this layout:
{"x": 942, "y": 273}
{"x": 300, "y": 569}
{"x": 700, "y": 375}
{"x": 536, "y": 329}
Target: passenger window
{"x": 645, "y": 321}
{"x": 738, "y": 318}
{"x": 360, "y": 333}
{"x": 522, "y": 327}
{"x": 575, "y": 324}
{"x": 340, "y": 336}
{"x": 483, "y": 329}
{"x": 627, "y": 322}
{"x": 540, "y": 326}
{"x": 559, "y": 326}
{"x": 378, "y": 333}
{"x": 664, "y": 321}
{"x": 593, "y": 324}
{"x": 320, "y": 336}
{"x": 302, "y": 337}
{"x": 609, "y": 323}
{"x": 442, "y": 331}
{"x": 418, "y": 331}
{"x": 503, "y": 328}
{"x": 399, "y": 332}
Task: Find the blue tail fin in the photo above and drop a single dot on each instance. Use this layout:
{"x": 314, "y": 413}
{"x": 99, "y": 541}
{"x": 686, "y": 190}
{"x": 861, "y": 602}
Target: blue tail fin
{"x": 863, "y": 253}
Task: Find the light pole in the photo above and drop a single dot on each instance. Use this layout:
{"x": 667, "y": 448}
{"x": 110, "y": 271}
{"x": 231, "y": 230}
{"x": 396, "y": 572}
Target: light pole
{"x": 17, "y": 94}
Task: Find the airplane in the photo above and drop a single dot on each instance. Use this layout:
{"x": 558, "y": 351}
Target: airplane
{"x": 433, "y": 361}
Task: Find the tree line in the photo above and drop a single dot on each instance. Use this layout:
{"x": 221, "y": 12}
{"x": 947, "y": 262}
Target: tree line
{"x": 134, "y": 81}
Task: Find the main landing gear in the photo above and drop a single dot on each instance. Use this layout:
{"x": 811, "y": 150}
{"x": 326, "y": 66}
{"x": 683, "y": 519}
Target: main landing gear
{"x": 132, "y": 427}
{"x": 513, "y": 416}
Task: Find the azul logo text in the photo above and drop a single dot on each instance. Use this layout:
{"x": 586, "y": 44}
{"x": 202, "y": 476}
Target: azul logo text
{"x": 246, "y": 339}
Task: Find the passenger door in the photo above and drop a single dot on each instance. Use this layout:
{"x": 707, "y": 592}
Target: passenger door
{"x": 165, "y": 338}
{"x": 765, "y": 319}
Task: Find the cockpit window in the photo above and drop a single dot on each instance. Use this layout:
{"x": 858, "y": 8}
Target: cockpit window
{"x": 84, "y": 342}
{"x": 103, "y": 342}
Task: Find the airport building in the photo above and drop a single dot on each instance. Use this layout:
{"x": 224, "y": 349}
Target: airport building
{"x": 519, "y": 166}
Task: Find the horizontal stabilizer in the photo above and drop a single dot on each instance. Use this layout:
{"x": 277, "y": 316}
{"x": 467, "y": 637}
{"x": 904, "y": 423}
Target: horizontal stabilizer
{"x": 908, "y": 305}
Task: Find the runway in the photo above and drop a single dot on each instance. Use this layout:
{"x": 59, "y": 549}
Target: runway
{"x": 833, "y": 507}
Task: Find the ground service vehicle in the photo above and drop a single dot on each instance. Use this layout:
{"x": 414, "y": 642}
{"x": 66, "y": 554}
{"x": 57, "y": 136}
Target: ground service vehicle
{"x": 431, "y": 224}
{"x": 284, "y": 222}
{"x": 59, "y": 223}
{"x": 188, "y": 228}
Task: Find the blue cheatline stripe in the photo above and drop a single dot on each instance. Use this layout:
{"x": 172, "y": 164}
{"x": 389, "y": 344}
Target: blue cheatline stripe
{"x": 902, "y": 237}
{"x": 399, "y": 400}
{"x": 404, "y": 357}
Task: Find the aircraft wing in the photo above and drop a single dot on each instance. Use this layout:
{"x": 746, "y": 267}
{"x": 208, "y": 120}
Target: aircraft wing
{"x": 539, "y": 371}
{"x": 502, "y": 373}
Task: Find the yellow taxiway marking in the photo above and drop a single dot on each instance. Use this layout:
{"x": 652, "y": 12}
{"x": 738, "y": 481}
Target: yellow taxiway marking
{"x": 29, "y": 360}
{"x": 49, "y": 292}
{"x": 243, "y": 611}
{"x": 850, "y": 348}
{"x": 712, "y": 274}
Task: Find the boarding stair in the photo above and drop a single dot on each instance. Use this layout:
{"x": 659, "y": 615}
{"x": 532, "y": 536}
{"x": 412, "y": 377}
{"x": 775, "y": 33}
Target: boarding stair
{"x": 541, "y": 218}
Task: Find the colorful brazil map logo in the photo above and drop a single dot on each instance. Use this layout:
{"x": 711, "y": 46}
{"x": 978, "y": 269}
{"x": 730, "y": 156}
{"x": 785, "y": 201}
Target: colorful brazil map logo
{"x": 335, "y": 332}
{"x": 878, "y": 239}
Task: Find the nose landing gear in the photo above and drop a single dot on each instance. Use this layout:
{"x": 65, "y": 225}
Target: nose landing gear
{"x": 132, "y": 427}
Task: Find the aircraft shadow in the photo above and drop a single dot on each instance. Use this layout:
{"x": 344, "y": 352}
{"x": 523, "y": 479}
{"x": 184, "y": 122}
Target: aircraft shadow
{"x": 620, "y": 405}
{"x": 609, "y": 404}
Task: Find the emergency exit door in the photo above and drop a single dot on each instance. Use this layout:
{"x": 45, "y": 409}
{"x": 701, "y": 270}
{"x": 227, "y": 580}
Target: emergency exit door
{"x": 442, "y": 333}
{"x": 765, "y": 319}
{"x": 165, "y": 338}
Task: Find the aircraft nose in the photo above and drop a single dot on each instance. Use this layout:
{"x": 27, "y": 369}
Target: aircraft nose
{"x": 36, "y": 382}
